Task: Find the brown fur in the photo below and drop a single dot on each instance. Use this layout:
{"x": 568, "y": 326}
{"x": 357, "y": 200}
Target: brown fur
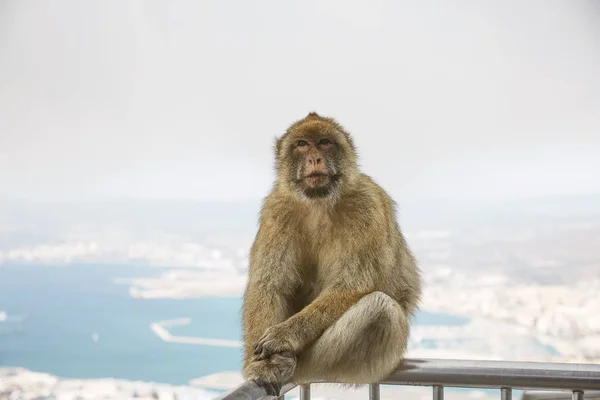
{"x": 332, "y": 283}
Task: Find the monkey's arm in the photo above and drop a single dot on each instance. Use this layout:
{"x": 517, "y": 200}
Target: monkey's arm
{"x": 272, "y": 280}
{"x": 263, "y": 307}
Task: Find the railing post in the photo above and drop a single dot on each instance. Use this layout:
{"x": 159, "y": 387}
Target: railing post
{"x": 506, "y": 393}
{"x": 438, "y": 393}
{"x": 305, "y": 392}
{"x": 577, "y": 394}
{"x": 374, "y": 391}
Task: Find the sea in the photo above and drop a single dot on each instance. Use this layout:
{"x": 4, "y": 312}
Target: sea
{"x": 79, "y": 323}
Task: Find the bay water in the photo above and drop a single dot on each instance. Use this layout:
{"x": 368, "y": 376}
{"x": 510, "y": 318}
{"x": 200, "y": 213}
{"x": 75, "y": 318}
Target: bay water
{"x": 67, "y": 307}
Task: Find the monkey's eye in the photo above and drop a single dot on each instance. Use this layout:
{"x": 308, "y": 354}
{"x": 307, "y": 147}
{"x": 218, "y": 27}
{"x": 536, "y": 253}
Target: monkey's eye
{"x": 302, "y": 143}
{"x": 325, "y": 141}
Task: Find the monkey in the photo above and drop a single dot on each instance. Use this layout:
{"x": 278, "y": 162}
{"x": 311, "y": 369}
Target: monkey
{"x": 332, "y": 284}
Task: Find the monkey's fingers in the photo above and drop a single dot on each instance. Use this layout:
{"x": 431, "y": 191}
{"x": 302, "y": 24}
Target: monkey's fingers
{"x": 270, "y": 344}
{"x": 272, "y": 388}
{"x": 257, "y": 348}
{"x": 261, "y": 350}
{"x": 263, "y": 355}
{"x": 264, "y": 350}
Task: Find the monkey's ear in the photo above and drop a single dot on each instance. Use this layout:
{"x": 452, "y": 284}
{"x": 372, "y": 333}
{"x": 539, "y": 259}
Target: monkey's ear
{"x": 277, "y": 147}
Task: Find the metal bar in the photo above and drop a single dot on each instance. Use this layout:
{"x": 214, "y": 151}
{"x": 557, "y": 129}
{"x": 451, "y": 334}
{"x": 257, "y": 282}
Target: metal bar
{"x": 495, "y": 374}
{"x": 374, "y": 391}
{"x": 438, "y": 392}
{"x": 557, "y": 395}
{"x": 286, "y": 388}
{"x": 577, "y": 394}
{"x": 305, "y": 392}
{"x": 505, "y": 393}
{"x": 248, "y": 390}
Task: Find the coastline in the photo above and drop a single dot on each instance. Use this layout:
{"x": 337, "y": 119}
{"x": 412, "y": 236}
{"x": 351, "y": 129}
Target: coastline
{"x": 190, "y": 284}
{"x": 159, "y": 328}
{"x": 21, "y": 383}
{"x": 226, "y": 379}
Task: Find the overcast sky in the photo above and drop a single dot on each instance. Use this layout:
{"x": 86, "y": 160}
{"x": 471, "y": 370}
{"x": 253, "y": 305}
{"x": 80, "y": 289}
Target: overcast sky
{"x": 183, "y": 99}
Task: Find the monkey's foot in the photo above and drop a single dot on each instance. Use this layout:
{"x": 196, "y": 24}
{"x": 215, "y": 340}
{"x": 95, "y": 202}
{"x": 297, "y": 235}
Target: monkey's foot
{"x": 272, "y": 373}
{"x": 272, "y": 388}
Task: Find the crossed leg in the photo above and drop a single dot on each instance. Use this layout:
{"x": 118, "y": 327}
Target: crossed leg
{"x": 364, "y": 346}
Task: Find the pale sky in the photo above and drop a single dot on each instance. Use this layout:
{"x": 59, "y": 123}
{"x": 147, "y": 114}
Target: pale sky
{"x": 183, "y": 99}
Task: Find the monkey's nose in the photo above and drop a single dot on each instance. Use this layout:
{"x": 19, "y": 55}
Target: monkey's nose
{"x": 315, "y": 161}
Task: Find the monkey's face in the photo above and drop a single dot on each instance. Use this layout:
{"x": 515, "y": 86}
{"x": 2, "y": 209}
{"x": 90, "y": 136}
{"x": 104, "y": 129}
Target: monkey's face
{"x": 314, "y": 156}
{"x": 315, "y": 165}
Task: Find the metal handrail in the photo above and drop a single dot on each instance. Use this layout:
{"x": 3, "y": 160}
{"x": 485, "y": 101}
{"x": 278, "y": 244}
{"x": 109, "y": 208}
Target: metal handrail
{"x": 495, "y": 374}
{"x": 556, "y": 395}
{"x": 504, "y": 375}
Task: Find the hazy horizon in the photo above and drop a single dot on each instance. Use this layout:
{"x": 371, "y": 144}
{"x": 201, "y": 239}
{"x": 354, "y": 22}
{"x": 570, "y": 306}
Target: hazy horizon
{"x": 182, "y": 99}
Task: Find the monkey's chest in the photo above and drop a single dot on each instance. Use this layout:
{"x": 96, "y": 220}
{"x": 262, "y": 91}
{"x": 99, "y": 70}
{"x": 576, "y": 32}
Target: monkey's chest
{"x": 319, "y": 237}
{"x": 306, "y": 294}
{"x": 317, "y": 275}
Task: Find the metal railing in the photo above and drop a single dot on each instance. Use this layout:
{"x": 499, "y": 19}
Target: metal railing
{"x": 503, "y": 375}
{"x": 557, "y": 395}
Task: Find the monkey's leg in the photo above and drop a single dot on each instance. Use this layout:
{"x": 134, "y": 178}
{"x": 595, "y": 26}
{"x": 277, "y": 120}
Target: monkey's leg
{"x": 364, "y": 345}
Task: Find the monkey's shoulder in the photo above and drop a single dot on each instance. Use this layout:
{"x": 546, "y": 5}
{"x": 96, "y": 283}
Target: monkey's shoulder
{"x": 371, "y": 186}
{"x": 369, "y": 198}
{"x": 278, "y": 215}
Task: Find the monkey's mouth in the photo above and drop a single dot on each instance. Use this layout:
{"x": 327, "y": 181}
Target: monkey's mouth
{"x": 316, "y": 178}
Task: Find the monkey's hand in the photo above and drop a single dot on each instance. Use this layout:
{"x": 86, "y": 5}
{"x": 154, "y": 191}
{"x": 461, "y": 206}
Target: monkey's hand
{"x": 272, "y": 373}
{"x": 277, "y": 339}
